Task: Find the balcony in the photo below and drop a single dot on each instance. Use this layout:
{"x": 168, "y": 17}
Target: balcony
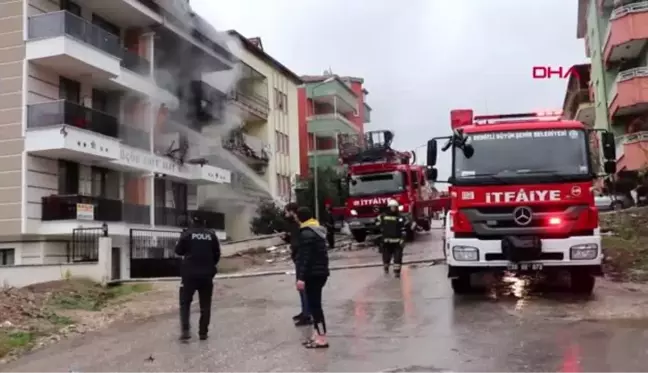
{"x": 62, "y": 129}
{"x": 207, "y": 102}
{"x": 629, "y": 93}
{"x": 134, "y": 137}
{"x": 255, "y": 108}
{"x": 334, "y": 93}
{"x": 585, "y": 113}
{"x": 135, "y": 63}
{"x": 635, "y": 151}
{"x": 251, "y": 150}
{"x": 324, "y": 158}
{"x": 77, "y": 207}
{"x": 367, "y": 113}
{"x": 330, "y": 123}
{"x": 213, "y": 220}
{"x": 627, "y": 32}
{"x": 72, "y": 46}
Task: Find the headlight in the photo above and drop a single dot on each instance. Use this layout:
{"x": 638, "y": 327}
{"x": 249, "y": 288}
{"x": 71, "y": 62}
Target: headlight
{"x": 584, "y": 252}
{"x": 465, "y": 253}
{"x": 401, "y": 208}
{"x": 354, "y": 213}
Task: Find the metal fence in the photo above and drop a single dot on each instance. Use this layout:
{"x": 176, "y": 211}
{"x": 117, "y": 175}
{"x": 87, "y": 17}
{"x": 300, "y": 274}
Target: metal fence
{"x": 85, "y": 244}
{"x": 152, "y": 253}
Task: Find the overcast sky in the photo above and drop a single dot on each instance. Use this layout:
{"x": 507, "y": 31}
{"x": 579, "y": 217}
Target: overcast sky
{"x": 419, "y": 58}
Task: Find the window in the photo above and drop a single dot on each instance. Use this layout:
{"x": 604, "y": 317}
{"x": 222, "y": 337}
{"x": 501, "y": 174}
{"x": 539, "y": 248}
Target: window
{"x": 160, "y": 192}
{"x": 180, "y": 196}
{"x": 278, "y": 182}
{"x": 284, "y": 102}
{"x": 281, "y": 100}
{"x": 104, "y": 24}
{"x": 69, "y": 90}
{"x": 7, "y": 257}
{"x": 277, "y": 97}
{"x": 100, "y": 100}
{"x": 71, "y": 7}
{"x": 68, "y": 178}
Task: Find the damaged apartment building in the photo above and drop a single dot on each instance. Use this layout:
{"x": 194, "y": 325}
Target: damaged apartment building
{"x": 110, "y": 127}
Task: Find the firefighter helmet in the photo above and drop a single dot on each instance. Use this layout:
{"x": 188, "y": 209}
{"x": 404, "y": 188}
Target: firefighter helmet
{"x": 392, "y": 203}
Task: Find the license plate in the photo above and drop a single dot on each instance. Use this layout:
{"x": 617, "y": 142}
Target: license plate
{"x": 525, "y": 267}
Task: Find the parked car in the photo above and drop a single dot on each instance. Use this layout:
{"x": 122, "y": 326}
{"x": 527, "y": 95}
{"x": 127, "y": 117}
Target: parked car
{"x": 613, "y": 202}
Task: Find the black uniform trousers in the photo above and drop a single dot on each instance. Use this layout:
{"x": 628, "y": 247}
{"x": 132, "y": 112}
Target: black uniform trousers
{"x": 392, "y": 250}
{"x": 330, "y": 236}
{"x": 205, "y": 288}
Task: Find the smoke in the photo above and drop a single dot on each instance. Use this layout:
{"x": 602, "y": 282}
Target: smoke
{"x": 178, "y": 64}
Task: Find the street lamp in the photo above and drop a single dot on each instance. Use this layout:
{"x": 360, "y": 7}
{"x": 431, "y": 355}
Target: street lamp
{"x": 315, "y": 173}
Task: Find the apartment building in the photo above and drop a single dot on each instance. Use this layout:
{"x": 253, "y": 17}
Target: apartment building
{"x": 262, "y": 144}
{"x": 329, "y": 105}
{"x": 102, "y": 108}
{"x": 616, "y": 39}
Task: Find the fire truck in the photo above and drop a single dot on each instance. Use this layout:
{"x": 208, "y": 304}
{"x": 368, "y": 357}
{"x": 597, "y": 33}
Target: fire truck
{"x": 521, "y": 197}
{"x": 377, "y": 173}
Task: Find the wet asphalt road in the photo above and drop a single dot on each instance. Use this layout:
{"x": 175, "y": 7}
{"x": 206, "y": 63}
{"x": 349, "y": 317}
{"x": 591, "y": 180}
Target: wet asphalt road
{"x": 376, "y": 323}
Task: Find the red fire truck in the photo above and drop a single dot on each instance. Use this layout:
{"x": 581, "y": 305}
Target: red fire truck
{"x": 377, "y": 173}
{"x": 521, "y": 197}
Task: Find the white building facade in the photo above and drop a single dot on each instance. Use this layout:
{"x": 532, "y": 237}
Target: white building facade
{"x": 101, "y": 133}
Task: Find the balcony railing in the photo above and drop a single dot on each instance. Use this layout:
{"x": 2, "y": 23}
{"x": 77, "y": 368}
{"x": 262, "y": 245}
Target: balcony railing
{"x": 630, "y": 8}
{"x": 49, "y": 25}
{"x": 637, "y": 72}
{"x": 64, "y": 207}
{"x": 134, "y": 137}
{"x": 136, "y": 214}
{"x": 248, "y": 146}
{"x": 136, "y": 63}
{"x": 172, "y": 217}
{"x": 212, "y": 219}
{"x": 259, "y": 105}
{"x": 60, "y": 112}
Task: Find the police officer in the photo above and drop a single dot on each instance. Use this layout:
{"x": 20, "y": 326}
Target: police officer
{"x": 200, "y": 251}
{"x": 392, "y": 226}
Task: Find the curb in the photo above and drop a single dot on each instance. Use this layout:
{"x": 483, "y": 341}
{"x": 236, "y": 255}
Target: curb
{"x": 276, "y": 272}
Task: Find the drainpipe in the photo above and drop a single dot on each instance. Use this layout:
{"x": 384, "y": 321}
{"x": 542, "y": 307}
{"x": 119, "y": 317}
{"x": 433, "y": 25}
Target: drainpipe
{"x": 601, "y": 43}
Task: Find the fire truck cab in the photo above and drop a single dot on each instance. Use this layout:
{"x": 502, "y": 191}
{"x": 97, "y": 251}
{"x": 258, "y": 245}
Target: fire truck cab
{"x": 377, "y": 173}
{"x": 521, "y": 196}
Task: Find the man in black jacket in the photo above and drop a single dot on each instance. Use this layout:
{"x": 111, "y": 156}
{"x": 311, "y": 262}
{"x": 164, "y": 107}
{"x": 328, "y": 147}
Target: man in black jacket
{"x": 313, "y": 272}
{"x": 200, "y": 251}
{"x": 292, "y": 236}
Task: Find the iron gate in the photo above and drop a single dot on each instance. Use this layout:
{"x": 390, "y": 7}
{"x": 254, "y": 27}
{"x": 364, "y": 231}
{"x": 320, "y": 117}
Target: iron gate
{"x": 85, "y": 244}
{"x": 152, "y": 253}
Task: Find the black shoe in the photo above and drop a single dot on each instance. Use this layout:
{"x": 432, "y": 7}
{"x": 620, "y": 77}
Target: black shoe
{"x": 298, "y": 317}
{"x": 185, "y": 336}
{"x": 304, "y": 321}
{"x": 386, "y": 269}
{"x": 203, "y": 337}
{"x": 397, "y": 274}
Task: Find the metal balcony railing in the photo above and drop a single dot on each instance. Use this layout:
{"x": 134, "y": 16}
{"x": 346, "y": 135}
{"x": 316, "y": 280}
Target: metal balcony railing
{"x": 248, "y": 146}
{"x": 257, "y": 104}
{"x": 628, "y": 9}
{"x": 134, "y": 137}
{"x": 64, "y": 112}
{"x": 64, "y": 207}
{"x": 172, "y": 217}
{"x": 49, "y": 25}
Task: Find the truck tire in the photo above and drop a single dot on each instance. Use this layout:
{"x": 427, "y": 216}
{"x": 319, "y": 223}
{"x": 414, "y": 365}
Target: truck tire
{"x": 582, "y": 282}
{"x": 462, "y": 285}
{"x": 359, "y": 235}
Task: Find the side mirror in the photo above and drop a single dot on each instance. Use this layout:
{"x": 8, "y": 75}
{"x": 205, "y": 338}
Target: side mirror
{"x": 608, "y": 145}
{"x": 432, "y": 174}
{"x": 431, "y": 153}
{"x": 609, "y": 167}
{"x": 468, "y": 150}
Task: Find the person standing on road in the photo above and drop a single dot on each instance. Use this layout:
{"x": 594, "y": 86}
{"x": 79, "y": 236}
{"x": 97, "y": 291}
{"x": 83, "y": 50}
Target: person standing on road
{"x": 330, "y": 226}
{"x": 392, "y": 227}
{"x": 200, "y": 251}
{"x": 313, "y": 272}
{"x": 292, "y": 236}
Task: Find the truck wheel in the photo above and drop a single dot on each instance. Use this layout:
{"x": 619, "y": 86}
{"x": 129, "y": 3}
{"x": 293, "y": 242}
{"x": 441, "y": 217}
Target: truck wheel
{"x": 462, "y": 285}
{"x": 582, "y": 282}
{"x": 359, "y": 236}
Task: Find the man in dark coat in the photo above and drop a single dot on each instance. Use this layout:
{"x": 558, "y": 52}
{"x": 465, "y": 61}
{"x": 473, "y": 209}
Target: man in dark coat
{"x": 292, "y": 236}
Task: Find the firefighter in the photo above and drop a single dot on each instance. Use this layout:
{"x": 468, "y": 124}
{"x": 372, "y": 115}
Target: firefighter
{"x": 200, "y": 251}
{"x": 392, "y": 227}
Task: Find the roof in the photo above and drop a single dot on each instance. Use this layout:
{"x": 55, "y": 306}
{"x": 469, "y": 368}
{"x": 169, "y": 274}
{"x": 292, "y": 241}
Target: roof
{"x": 261, "y": 54}
{"x": 579, "y": 80}
{"x": 581, "y": 24}
{"x": 310, "y": 79}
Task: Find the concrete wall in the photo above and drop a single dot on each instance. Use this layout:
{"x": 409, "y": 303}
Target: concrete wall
{"x": 12, "y": 90}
